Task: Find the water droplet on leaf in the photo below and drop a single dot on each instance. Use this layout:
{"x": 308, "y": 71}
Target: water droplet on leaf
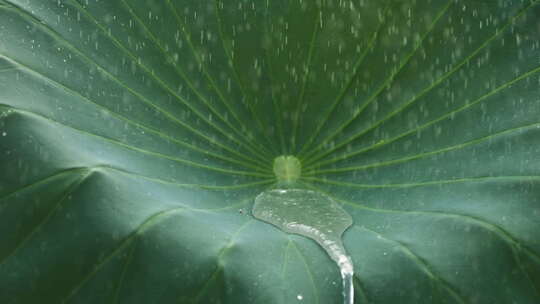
{"x": 313, "y": 215}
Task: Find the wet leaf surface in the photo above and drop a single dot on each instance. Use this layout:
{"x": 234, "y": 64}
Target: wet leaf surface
{"x": 135, "y": 135}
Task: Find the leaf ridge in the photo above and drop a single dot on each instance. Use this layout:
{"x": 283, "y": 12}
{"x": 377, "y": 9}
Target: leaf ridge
{"x": 420, "y": 263}
{"x": 148, "y": 223}
{"x": 74, "y": 186}
{"x": 42, "y": 181}
{"x": 127, "y": 263}
{"x": 219, "y": 258}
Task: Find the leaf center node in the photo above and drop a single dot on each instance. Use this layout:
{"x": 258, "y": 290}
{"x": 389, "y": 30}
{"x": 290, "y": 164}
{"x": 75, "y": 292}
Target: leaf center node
{"x": 287, "y": 168}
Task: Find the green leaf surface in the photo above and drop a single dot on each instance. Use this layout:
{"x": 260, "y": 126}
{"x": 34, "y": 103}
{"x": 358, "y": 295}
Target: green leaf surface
{"x": 135, "y": 135}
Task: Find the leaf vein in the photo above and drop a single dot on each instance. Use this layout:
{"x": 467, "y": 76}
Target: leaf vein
{"x": 129, "y": 121}
{"x": 423, "y": 92}
{"x": 190, "y": 84}
{"x": 228, "y": 53}
{"x": 143, "y": 151}
{"x": 142, "y": 98}
{"x": 386, "y": 83}
{"x": 426, "y": 154}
